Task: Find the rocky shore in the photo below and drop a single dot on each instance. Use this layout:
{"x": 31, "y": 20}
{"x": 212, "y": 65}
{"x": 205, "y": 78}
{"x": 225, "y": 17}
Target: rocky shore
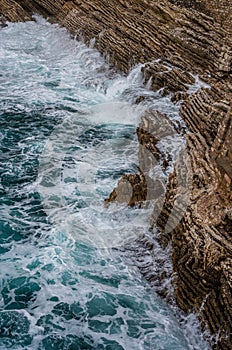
{"x": 175, "y": 40}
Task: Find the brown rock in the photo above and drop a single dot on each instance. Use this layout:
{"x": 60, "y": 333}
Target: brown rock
{"x": 174, "y": 43}
{"x": 167, "y": 79}
{"x": 135, "y": 189}
{"x": 131, "y": 190}
{"x": 202, "y": 238}
{"x": 11, "y": 10}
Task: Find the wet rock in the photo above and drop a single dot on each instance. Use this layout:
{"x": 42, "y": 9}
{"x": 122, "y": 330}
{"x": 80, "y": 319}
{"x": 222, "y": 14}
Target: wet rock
{"x": 201, "y": 238}
{"x": 154, "y": 126}
{"x": 131, "y": 190}
{"x": 166, "y": 78}
{"x": 131, "y": 32}
{"x": 174, "y": 40}
{"x": 146, "y": 188}
{"x": 179, "y": 96}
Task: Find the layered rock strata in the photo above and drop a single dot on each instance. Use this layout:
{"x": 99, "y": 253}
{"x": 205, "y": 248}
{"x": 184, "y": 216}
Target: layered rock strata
{"x": 137, "y": 31}
{"x": 201, "y": 241}
{"x": 175, "y": 40}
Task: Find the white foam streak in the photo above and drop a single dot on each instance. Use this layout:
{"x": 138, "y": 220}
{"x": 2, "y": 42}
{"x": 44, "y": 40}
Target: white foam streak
{"x": 89, "y": 143}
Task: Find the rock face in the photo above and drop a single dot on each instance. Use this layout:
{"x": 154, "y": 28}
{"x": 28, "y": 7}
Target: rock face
{"x": 201, "y": 241}
{"x": 221, "y": 10}
{"x": 133, "y": 31}
{"x": 145, "y": 188}
{"x": 174, "y": 40}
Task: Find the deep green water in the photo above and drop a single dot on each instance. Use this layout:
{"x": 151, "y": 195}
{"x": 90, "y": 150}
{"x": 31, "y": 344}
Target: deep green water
{"x": 67, "y": 134}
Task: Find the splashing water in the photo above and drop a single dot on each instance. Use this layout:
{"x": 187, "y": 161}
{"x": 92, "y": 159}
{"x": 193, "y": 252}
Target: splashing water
{"x": 67, "y": 135}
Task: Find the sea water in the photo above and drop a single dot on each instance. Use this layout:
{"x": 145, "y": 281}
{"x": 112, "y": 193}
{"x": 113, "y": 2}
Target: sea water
{"x": 68, "y": 133}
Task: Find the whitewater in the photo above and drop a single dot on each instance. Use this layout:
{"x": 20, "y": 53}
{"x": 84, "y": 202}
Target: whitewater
{"x": 68, "y": 133}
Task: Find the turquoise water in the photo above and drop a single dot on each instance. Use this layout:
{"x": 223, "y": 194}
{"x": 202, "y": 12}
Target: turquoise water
{"x": 67, "y": 134}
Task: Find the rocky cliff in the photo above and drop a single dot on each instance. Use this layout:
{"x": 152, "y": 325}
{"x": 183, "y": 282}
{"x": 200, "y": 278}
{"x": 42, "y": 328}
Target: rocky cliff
{"x": 174, "y": 40}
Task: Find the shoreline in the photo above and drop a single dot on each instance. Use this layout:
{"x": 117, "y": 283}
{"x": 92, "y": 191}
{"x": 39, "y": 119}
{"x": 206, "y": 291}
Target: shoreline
{"x": 190, "y": 42}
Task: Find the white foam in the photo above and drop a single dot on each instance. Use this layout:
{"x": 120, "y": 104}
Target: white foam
{"x": 71, "y": 84}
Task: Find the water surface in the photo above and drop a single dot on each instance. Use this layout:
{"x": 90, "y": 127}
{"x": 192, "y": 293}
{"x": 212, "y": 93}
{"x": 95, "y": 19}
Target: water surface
{"x": 68, "y": 132}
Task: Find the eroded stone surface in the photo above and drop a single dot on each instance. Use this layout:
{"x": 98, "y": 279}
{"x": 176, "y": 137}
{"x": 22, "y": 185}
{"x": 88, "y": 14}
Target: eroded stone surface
{"x": 167, "y": 79}
{"x": 145, "y": 188}
{"x": 174, "y": 43}
{"x": 131, "y": 31}
{"x": 202, "y": 241}
{"x": 131, "y": 190}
